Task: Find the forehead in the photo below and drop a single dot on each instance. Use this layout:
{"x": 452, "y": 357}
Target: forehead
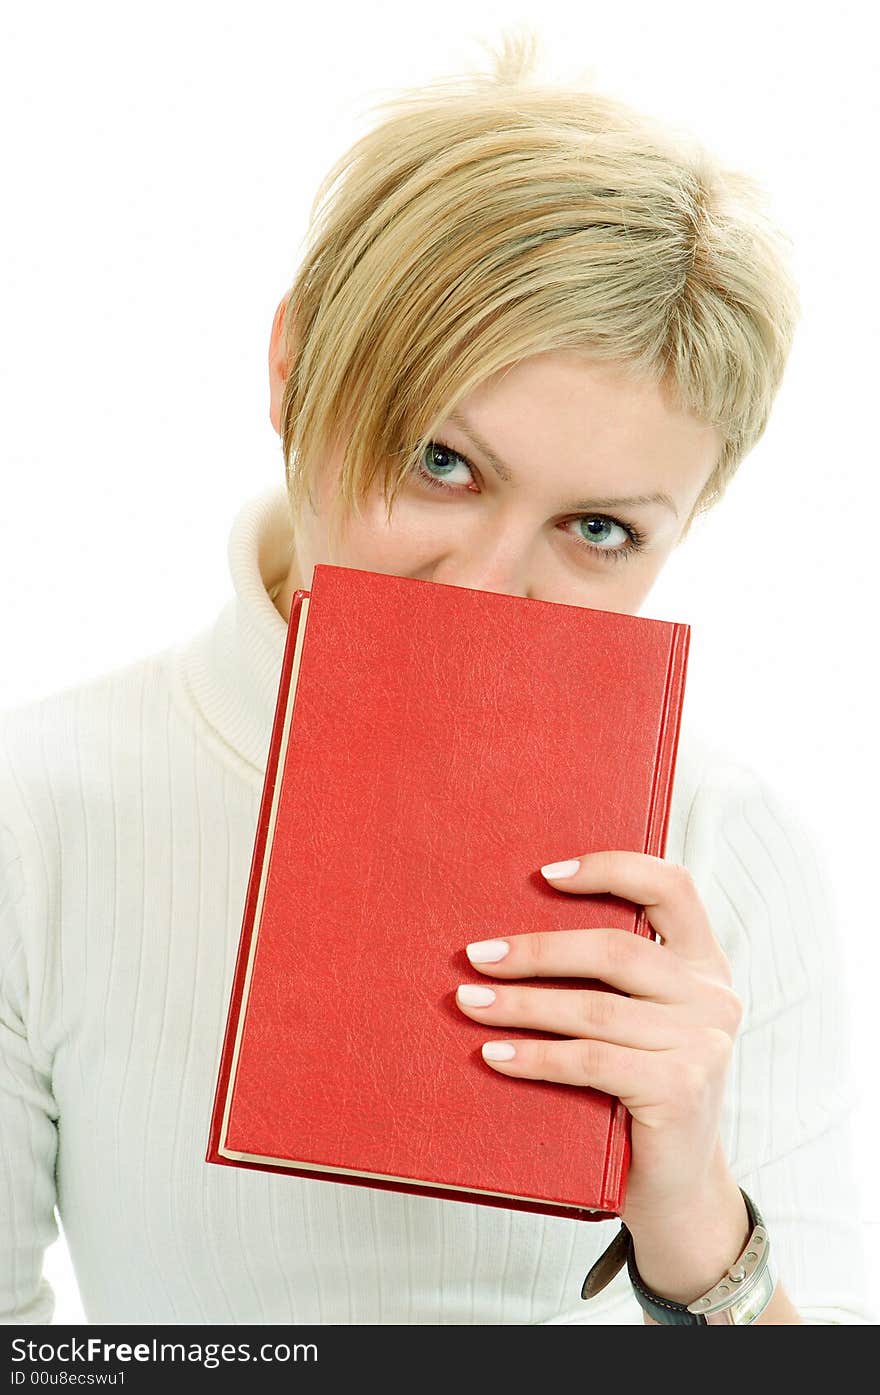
{"x": 580, "y": 419}
{"x": 574, "y": 386}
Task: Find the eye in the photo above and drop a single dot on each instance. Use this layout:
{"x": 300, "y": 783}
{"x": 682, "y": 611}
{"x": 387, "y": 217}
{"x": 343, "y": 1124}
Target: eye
{"x": 449, "y": 463}
{"x": 443, "y": 458}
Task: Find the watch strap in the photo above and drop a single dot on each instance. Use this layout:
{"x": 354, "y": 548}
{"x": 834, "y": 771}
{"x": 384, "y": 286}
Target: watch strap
{"x": 609, "y": 1263}
{"x": 740, "y": 1295}
{"x": 662, "y": 1310}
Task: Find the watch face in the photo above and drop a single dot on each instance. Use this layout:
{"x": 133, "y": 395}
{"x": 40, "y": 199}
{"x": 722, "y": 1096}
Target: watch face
{"x": 749, "y": 1306}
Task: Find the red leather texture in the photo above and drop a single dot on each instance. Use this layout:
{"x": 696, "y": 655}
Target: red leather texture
{"x": 444, "y": 744}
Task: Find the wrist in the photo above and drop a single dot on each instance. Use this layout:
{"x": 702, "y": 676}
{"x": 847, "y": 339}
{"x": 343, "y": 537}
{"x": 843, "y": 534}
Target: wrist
{"x": 681, "y": 1252}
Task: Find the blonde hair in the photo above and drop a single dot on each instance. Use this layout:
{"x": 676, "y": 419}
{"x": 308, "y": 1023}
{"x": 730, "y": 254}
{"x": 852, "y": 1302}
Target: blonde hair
{"x": 492, "y": 217}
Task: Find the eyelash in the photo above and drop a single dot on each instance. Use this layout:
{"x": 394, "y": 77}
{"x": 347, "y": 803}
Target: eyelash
{"x": 617, "y": 554}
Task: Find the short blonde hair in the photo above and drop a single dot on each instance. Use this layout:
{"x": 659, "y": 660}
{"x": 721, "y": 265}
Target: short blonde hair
{"x": 492, "y": 217}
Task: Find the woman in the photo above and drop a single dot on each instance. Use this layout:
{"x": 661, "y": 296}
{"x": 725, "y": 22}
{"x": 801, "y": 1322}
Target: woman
{"x": 532, "y": 338}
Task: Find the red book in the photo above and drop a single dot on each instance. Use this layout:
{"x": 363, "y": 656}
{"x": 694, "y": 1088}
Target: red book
{"x": 433, "y": 746}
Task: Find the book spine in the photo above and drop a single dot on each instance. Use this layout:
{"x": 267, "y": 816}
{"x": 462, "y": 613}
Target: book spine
{"x": 254, "y": 879}
{"x": 667, "y": 750}
{"x": 617, "y": 1155}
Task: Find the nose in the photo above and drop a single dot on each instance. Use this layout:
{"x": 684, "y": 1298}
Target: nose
{"x": 483, "y": 573}
{"x": 498, "y": 553}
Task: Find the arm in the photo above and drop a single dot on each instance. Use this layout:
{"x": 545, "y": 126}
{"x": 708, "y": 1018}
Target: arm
{"x": 684, "y": 1256}
{"x": 727, "y": 1048}
{"x": 786, "y": 1119}
{"x": 28, "y": 1114}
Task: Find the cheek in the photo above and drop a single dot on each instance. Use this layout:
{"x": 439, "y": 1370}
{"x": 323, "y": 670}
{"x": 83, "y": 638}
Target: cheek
{"x": 371, "y": 543}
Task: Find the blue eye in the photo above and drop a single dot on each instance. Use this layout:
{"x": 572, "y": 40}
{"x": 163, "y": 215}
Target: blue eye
{"x": 453, "y": 459}
{"x": 444, "y": 459}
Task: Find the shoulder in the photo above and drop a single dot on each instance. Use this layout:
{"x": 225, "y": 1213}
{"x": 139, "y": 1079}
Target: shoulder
{"x": 58, "y": 750}
{"x": 71, "y": 785}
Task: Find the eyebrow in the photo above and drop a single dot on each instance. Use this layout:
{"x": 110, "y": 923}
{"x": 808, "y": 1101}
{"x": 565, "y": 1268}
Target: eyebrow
{"x": 502, "y": 470}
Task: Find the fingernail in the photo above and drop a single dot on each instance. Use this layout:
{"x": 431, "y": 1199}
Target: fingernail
{"x": 486, "y": 951}
{"x": 558, "y": 870}
{"x": 498, "y": 1051}
{"x": 473, "y": 995}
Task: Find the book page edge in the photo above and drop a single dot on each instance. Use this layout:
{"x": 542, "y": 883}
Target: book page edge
{"x": 391, "y": 1177}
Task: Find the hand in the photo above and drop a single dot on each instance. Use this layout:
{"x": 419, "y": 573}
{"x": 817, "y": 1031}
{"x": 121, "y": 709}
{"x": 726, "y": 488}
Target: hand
{"x": 664, "y": 1050}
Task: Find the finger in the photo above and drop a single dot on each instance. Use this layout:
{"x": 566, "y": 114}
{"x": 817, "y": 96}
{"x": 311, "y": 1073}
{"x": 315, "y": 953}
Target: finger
{"x": 617, "y": 957}
{"x": 636, "y": 1077}
{"x": 666, "y": 890}
{"x": 598, "y": 1014}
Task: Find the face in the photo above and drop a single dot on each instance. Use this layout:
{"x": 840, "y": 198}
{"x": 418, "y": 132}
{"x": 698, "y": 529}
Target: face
{"x": 556, "y": 480}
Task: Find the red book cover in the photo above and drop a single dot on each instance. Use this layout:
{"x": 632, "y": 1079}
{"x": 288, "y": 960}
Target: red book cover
{"x": 433, "y": 746}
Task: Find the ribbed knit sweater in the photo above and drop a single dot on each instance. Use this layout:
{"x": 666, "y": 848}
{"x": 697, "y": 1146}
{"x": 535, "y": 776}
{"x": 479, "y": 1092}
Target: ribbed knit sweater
{"x": 128, "y": 808}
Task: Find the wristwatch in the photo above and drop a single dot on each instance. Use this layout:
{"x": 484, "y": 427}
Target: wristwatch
{"x": 740, "y": 1295}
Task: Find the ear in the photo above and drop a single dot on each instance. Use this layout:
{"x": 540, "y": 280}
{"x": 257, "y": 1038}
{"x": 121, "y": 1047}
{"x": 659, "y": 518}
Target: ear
{"x": 276, "y": 339}
{"x": 277, "y": 365}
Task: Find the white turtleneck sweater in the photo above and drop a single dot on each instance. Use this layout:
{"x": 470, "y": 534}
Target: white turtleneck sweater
{"x": 128, "y": 808}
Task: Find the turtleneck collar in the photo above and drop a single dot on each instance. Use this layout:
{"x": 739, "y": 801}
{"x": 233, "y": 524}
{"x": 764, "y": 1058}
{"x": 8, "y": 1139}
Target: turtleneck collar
{"x": 231, "y": 670}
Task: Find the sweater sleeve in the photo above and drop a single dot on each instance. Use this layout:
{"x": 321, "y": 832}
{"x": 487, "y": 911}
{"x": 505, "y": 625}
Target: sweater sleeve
{"x": 28, "y": 1118}
{"x": 790, "y": 1094}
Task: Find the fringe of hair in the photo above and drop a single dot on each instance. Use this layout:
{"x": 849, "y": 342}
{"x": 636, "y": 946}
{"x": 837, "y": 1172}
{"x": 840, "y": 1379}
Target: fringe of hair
{"x": 490, "y": 216}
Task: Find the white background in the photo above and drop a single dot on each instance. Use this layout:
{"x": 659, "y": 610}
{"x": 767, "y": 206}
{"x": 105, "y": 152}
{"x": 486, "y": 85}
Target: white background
{"x": 160, "y": 162}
